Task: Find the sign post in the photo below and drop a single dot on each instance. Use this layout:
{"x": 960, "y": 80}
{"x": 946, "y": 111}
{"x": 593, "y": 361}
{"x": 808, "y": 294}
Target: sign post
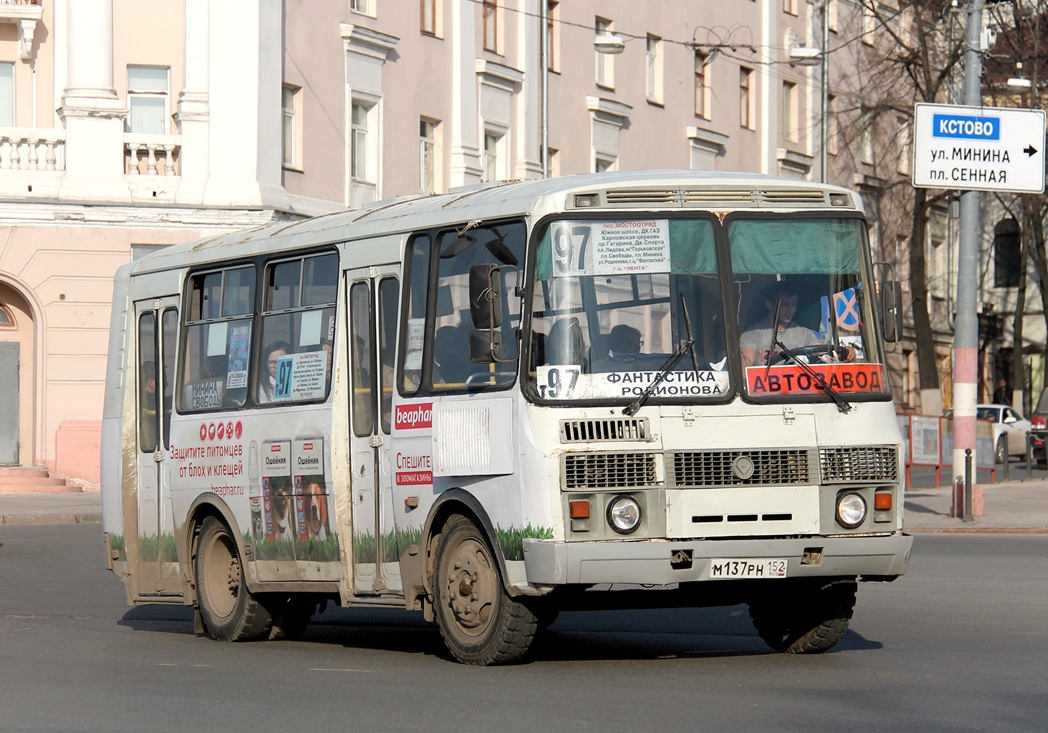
{"x": 978, "y": 148}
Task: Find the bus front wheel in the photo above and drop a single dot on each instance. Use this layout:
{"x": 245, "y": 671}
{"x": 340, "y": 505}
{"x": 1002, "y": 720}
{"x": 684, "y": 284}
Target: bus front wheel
{"x": 478, "y": 620}
{"x": 804, "y": 617}
{"x": 229, "y": 611}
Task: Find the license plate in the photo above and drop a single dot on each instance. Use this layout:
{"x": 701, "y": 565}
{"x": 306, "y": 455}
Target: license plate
{"x": 729, "y": 569}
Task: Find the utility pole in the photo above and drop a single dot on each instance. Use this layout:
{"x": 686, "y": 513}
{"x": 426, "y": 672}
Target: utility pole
{"x": 966, "y": 333}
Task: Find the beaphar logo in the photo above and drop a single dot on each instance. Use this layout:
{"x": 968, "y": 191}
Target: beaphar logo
{"x": 414, "y": 417}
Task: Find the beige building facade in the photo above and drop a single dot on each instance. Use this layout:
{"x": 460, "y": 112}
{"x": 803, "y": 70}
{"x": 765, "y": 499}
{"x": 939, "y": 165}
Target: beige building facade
{"x": 127, "y": 126}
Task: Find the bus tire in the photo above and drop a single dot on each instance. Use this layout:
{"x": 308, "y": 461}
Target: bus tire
{"x": 478, "y": 620}
{"x": 806, "y": 618}
{"x": 229, "y": 611}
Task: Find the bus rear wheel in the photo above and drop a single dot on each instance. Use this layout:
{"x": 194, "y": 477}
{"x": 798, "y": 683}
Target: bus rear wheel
{"x": 478, "y": 620}
{"x": 804, "y": 617}
{"x": 229, "y": 611}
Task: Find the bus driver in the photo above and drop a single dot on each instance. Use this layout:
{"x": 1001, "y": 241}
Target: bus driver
{"x": 755, "y": 342}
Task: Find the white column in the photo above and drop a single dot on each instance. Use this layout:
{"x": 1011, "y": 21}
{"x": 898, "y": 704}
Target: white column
{"x": 464, "y": 158}
{"x": 91, "y": 111}
{"x": 244, "y": 121}
{"x": 528, "y": 102}
{"x": 193, "y": 112}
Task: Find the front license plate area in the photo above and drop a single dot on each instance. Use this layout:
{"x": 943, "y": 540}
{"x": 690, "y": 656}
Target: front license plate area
{"x": 730, "y": 569}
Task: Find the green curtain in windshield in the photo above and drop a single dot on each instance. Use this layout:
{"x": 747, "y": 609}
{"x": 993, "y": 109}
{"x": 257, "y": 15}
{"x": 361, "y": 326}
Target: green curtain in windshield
{"x": 795, "y": 246}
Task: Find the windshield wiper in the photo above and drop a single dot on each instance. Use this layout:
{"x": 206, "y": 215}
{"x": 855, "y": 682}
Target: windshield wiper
{"x": 842, "y": 404}
{"x": 631, "y": 409}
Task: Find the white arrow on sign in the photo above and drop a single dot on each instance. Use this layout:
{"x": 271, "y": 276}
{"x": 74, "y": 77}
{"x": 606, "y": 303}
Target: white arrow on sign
{"x": 978, "y": 148}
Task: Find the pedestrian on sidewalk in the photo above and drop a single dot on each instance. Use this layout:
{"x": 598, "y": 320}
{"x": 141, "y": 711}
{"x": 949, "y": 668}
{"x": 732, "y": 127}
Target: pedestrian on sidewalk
{"x": 1002, "y": 395}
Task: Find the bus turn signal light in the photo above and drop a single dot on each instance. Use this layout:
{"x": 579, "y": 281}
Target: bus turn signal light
{"x": 579, "y": 509}
{"x": 882, "y": 502}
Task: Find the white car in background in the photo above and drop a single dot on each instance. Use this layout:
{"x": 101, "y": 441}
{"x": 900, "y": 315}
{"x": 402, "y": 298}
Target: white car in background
{"x": 1006, "y": 422}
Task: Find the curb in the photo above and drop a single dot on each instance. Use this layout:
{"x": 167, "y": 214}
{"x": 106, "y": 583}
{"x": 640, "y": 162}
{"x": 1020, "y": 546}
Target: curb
{"x": 975, "y": 530}
{"x": 35, "y": 519}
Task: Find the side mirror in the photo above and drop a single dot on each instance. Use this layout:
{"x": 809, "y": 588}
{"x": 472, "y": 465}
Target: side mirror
{"x": 891, "y": 310}
{"x": 485, "y": 296}
{"x": 485, "y": 346}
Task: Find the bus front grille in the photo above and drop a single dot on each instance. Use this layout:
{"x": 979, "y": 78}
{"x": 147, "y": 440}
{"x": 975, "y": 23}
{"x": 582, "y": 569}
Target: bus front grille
{"x": 739, "y": 468}
{"x": 859, "y": 464}
{"x": 609, "y": 470}
{"x": 604, "y": 430}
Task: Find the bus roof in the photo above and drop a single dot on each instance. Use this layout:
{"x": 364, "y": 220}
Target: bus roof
{"x": 619, "y": 190}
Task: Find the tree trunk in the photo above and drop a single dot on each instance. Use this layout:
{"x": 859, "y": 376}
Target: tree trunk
{"x": 927, "y": 362}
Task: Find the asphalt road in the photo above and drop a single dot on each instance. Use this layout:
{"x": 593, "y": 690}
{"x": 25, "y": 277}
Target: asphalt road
{"x": 958, "y": 644}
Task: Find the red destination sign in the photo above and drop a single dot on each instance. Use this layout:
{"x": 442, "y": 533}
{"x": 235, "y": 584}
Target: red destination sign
{"x": 793, "y": 380}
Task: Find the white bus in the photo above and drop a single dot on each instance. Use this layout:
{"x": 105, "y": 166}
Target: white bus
{"x": 509, "y": 401}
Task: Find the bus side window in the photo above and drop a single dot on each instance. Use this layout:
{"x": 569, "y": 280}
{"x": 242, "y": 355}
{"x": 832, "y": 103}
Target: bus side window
{"x": 298, "y": 329}
{"x": 414, "y": 324}
{"x": 217, "y": 355}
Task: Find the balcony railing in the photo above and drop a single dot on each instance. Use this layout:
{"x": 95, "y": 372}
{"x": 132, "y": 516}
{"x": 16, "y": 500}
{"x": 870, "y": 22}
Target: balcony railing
{"x": 30, "y": 149}
{"x": 151, "y": 155}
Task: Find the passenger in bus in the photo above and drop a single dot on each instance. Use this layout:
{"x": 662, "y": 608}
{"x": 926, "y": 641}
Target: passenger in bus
{"x": 755, "y": 342}
{"x": 624, "y": 343}
{"x": 267, "y": 381}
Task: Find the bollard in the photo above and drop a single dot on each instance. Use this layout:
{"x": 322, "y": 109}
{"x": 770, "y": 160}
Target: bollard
{"x": 1029, "y": 455}
{"x": 1006, "y": 455}
{"x": 967, "y": 485}
{"x": 957, "y": 507}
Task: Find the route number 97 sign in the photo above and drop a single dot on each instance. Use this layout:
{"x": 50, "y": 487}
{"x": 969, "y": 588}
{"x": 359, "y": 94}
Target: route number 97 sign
{"x": 610, "y": 247}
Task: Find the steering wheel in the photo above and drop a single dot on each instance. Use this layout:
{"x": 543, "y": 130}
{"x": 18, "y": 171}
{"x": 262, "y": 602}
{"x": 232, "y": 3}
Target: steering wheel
{"x": 815, "y": 350}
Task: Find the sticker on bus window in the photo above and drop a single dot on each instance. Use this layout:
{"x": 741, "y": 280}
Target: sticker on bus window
{"x": 413, "y": 347}
{"x": 239, "y": 346}
{"x": 301, "y": 376}
{"x": 560, "y": 382}
{"x": 310, "y": 328}
{"x": 610, "y": 247}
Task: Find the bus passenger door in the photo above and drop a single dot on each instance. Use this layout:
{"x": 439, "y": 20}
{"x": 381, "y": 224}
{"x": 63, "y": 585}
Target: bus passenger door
{"x": 157, "y": 560}
{"x": 373, "y": 298}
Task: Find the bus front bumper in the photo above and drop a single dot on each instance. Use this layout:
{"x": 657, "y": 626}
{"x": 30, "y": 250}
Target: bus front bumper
{"x": 661, "y": 562}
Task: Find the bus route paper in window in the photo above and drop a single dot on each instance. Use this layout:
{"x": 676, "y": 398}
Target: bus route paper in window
{"x": 239, "y": 345}
{"x": 611, "y": 247}
{"x": 216, "y": 339}
{"x": 301, "y": 376}
{"x": 413, "y": 348}
{"x": 310, "y": 327}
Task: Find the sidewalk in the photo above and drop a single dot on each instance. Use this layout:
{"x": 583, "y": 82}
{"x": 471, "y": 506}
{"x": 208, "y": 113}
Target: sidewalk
{"x": 1011, "y": 507}
{"x": 80, "y": 508}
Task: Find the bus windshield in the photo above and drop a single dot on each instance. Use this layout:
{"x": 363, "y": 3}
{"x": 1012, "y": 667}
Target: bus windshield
{"x": 806, "y": 279}
{"x": 634, "y": 307}
{"x": 621, "y": 303}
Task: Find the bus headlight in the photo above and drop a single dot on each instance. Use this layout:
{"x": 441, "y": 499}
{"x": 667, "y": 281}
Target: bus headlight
{"x": 624, "y": 514}
{"x": 851, "y": 510}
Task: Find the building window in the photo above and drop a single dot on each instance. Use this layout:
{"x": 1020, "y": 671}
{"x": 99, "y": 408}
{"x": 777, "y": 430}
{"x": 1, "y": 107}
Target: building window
{"x": 289, "y": 113}
{"x": 701, "y": 59}
{"x": 7, "y": 318}
{"x": 866, "y": 136}
{"x": 1007, "y": 250}
{"x": 653, "y": 68}
{"x": 362, "y": 161}
{"x": 429, "y": 17}
{"x": 902, "y": 145}
{"x": 831, "y": 121}
{"x": 833, "y": 10}
{"x": 427, "y": 153}
{"x": 494, "y": 144}
{"x": 602, "y": 164}
{"x": 746, "y": 98}
{"x": 868, "y": 21}
{"x": 490, "y": 10}
{"x": 789, "y": 110}
{"x": 138, "y": 251}
{"x": 789, "y": 6}
{"x": 604, "y": 61}
{"x": 551, "y": 33}
{"x": 552, "y": 163}
{"x": 7, "y": 94}
{"x": 362, "y": 6}
{"x": 147, "y": 98}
